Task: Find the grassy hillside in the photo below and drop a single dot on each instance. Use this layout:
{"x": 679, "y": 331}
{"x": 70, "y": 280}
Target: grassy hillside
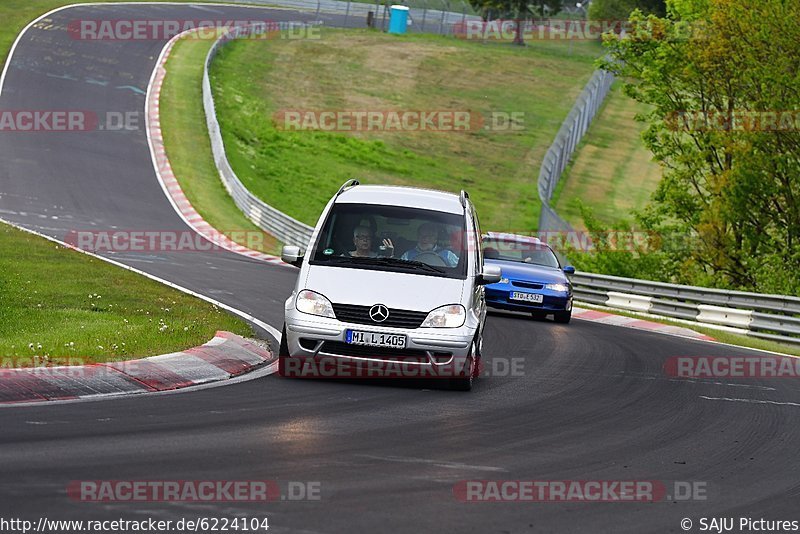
{"x": 370, "y": 71}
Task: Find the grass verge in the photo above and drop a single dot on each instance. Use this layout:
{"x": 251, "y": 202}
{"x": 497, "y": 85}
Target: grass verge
{"x": 350, "y": 70}
{"x": 189, "y": 149}
{"x": 58, "y": 303}
{"x": 611, "y": 172}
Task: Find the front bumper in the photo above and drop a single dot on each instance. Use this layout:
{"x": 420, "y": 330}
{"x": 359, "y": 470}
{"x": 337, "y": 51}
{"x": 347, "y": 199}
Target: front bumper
{"x": 553, "y": 301}
{"x": 434, "y": 350}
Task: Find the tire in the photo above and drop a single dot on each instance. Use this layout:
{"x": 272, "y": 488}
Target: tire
{"x": 476, "y": 372}
{"x": 563, "y": 317}
{"x": 464, "y": 382}
{"x": 283, "y": 353}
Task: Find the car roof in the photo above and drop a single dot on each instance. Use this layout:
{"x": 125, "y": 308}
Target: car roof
{"x": 513, "y": 238}
{"x": 391, "y": 195}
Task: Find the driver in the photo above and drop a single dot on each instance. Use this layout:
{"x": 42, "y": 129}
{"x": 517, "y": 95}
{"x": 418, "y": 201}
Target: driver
{"x": 427, "y": 243}
{"x": 536, "y": 256}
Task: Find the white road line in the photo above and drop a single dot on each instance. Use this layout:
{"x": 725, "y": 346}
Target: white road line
{"x": 751, "y": 401}
{"x": 244, "y": 315}
{"x": 437, "y": 463}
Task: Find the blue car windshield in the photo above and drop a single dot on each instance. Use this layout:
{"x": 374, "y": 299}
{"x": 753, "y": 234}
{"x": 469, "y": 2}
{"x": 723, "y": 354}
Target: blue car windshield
{"x": 520, "y": 251}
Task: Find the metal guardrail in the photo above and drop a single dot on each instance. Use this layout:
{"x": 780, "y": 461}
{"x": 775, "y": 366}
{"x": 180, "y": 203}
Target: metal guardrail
{"x": 566, "y": 141}
{"x": 287, "y": 229}
{"x": 774, "y": 317}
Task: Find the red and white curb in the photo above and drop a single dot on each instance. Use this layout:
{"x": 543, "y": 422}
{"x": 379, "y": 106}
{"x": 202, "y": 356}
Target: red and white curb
{"x": 639, "y": 324}
{"x": 167, "y": 178}
{"x": 225, "y": 356}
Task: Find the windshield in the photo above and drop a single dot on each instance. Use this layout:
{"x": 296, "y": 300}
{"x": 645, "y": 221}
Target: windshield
{"x": 523, "y": 252}
{"x": 392, "y": 238}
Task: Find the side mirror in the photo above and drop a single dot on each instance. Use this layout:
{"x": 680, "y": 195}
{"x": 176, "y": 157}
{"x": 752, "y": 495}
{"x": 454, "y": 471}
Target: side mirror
{"x": 569, "y": 269}
{"x": 491, "y": 275}
{"x": 292, "y": 255}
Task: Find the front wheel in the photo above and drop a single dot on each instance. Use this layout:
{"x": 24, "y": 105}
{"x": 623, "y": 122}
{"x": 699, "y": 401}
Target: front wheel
{"x": 283, "y": 353}
{"x": 562, "y": 317}
{"x": 464, "y": 381}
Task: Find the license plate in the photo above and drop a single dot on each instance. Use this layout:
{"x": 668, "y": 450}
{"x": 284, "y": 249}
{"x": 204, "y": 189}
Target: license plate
{"x": 527, "y": 297}
{"x": 375, "y": 339}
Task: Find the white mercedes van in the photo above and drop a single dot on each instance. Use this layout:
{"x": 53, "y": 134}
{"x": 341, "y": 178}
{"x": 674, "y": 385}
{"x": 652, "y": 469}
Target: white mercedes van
{"x": 392, "y": 283}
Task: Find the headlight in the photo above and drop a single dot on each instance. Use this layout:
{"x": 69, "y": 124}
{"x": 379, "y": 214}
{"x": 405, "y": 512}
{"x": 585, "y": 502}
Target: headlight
{"x": 314, "y": 303}
{"x": 557, "y": 287}
{"x": 450, "y": 316}
{"x": 503, "y": 281}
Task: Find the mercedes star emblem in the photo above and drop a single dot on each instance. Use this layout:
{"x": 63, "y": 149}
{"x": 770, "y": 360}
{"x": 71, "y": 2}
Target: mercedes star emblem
{"x": 379, "y": 313}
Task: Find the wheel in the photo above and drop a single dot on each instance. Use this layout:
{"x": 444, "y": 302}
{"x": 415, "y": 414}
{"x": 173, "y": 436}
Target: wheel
{"x": 283, "y": 353}
{"x": 563, "y": 317}
{"x": 464, "y": 381}
{"x": 478, "y": 358}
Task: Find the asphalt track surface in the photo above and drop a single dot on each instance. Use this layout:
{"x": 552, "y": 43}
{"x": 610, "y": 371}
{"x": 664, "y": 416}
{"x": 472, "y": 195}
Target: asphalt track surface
{"x": 591, "y": 403}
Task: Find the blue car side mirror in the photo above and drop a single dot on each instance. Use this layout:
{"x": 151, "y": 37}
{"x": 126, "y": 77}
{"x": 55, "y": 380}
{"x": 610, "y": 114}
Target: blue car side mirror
{"x": 569, "y": 269}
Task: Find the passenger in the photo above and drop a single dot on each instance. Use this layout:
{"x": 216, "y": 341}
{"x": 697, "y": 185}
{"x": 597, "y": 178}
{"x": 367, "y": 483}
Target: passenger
{"x": 428, "y": 243}
{"x": 362, "y": 239}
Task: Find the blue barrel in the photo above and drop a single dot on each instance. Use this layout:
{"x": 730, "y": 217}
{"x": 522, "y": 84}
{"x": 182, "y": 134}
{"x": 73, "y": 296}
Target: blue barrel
{"x": 398, "y": 19}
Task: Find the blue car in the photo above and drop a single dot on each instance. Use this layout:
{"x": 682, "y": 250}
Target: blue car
{"x": 532, "y": 279}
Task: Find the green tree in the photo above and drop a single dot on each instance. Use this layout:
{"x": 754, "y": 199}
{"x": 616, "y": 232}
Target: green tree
{"x": 622, "y": 9}
{"x": 519, "y": 10}
{"x": 734, "y": 188}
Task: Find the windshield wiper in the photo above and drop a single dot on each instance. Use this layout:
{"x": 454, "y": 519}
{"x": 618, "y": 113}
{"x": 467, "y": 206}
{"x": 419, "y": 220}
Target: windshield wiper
{"x": 391, "y": 261}
{"x": 419, "y": 264}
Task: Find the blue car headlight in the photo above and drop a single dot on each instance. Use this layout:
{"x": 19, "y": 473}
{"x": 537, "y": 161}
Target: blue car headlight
{"x": 557, "y": 287}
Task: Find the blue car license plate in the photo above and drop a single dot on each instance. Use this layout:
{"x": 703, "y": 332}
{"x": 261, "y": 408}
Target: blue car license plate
{"x": 527, "y": 297}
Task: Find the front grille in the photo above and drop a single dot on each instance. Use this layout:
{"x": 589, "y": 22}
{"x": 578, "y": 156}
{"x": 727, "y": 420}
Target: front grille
{"x": 529, "y": 285}
{"x": 341, "y": 348}
{"x": 351, "y": 313}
